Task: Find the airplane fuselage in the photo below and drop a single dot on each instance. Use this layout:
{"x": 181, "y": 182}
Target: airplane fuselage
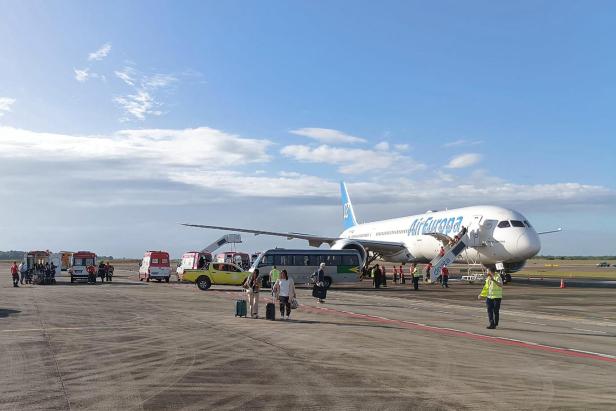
{"x": 497, "y": 235}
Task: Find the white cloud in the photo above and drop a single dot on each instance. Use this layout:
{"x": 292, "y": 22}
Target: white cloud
{"x": 462, "y": 142}
{"x": 382, "y": 146}
{"x": 139, "y": 105}
{"x": 464, "y": 160}
{"x": 327, "y": 135}
{"x": 81, "y": 75}
{"x": 5, "y": 105}
{"x": 141, "y": 101}
{"x": 352, "y": 160}
{"x": 127, "y": 75}
{"x": 101, "y": 53}
{"x": 204, "y": 147}
{"x": 402, "y": 147}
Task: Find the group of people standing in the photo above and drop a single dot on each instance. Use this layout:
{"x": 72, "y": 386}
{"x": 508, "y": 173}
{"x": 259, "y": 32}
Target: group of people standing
{"x": 21, "y": 274}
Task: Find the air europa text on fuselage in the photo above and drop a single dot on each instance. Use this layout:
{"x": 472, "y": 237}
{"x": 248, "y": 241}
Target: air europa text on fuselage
{"x": 445, "y": 225}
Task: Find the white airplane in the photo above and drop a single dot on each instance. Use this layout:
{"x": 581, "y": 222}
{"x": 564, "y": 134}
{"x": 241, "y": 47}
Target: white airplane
{"x": 486, "y": 235}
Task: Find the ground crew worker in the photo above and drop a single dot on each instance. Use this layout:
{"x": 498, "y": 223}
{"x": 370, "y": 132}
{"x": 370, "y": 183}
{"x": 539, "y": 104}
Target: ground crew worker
{"x": 493, "y": 293}
{"x": 444, "y": 276}
{"x": 376, "y": 276}
{"x": 395, "y": 275}
{"x": 428, "y": 267}
{"x": 15, "y": 274}
{"x": 415, "y": 276}
{"x": 402, "y": 279}
{"x": 383, "y": 277}
{"x": 274, "y": 275}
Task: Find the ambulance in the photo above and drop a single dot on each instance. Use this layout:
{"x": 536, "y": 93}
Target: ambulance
{"x": 193, "y": 260}
{"x": 156, "y": 266}
{"x": 80, "y": 262}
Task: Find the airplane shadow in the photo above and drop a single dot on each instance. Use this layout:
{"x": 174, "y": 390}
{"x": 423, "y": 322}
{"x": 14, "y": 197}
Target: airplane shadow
{"x": 5, "y": 312}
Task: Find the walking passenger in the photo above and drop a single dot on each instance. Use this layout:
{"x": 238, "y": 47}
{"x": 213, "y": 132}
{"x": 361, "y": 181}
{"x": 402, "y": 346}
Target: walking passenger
{"x": 15, "y": 274}
{"x": 493, "y": 293}
{"x": 285, "y": 289}
{"x": 319, "y": 290}
{"x": 253, "y": 286}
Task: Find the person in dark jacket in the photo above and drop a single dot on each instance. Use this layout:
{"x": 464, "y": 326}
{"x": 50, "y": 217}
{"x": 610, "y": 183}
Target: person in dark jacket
{"x": 102, "y": 271}
{"x": 319, "y": 291}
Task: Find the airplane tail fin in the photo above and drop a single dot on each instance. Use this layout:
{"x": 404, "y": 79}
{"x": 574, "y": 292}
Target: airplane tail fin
{"x": 348, "y": 214}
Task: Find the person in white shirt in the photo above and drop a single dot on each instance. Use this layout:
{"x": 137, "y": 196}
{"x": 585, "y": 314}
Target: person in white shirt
{"x": 285, "y": 289}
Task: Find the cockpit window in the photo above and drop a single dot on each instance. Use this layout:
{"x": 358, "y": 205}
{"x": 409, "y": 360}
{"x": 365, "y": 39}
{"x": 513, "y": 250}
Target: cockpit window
{"x": 527, "y": 224}
{"x": 517, "y": 223}
{"x": 504, "y": 224}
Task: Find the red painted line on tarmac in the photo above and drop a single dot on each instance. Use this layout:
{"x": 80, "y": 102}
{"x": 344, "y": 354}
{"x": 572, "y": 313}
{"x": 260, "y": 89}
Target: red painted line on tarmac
{"x": 410, "y": 325}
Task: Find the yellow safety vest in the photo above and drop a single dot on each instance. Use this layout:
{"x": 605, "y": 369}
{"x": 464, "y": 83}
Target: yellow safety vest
{"x": 274, "y": 275}
{"x": 493, "y": 288}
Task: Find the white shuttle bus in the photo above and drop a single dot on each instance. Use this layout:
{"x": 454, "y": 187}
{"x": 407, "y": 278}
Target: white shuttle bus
{"x": 340, "y": 265}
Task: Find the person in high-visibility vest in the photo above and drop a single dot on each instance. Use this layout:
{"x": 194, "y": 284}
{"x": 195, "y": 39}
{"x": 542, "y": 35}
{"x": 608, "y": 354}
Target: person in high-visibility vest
{"x": 274, "y": 275}
{"x": 415, "y": 276}
{"x": 493, "y": 293}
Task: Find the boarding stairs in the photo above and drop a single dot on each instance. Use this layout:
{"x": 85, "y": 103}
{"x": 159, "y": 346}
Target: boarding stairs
{"x": 449, "y": 257}
{"x": 225, "y": 239}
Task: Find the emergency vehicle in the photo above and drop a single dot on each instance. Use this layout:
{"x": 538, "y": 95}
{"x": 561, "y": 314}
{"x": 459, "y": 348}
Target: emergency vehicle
{"x": 155, "y": 265}
{"x": 65, "y": 259}
{"x": 79, "y": 265}
{"x": 33, "y": 258}
{"x": 193, "y": 260}
{"x": 235, "y": 257}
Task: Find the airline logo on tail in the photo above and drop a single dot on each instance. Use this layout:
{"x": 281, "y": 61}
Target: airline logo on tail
{"x": 347, "y": 208}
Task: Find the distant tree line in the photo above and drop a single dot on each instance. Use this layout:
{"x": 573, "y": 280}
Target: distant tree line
{"x": 11, "y": 255}
{"x": 575, "y": 257}
{"x": 18, "y": 255}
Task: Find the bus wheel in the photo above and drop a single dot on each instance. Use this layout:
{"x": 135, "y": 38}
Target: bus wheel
{"x": 508, "y": 277}
{"x": 327, "y": 281}
{"x": 166, "y": 279}
{"x": 159, "y": 279}
{"x": 204, "y": 282}
{"x": 147, "y": 279}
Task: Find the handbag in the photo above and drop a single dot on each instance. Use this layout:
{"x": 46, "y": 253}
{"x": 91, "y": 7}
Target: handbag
{"x": 294, "y": 304}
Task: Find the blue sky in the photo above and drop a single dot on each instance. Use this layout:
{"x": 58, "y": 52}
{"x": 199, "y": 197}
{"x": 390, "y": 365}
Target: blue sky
{"x": 118, "y": 120}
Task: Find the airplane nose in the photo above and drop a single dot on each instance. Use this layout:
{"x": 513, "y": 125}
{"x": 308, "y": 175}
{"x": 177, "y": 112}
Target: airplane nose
{"x": 528, "y": 244}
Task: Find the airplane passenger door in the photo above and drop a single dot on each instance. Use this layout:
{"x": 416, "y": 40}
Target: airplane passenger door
{"x": 473, "y": 231}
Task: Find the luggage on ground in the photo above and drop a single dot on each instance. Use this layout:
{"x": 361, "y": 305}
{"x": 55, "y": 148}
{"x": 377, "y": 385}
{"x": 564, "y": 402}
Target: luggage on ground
{"x": 240, "y": 308}
{"x": 270, "y": 311}
{"x": 319, "y": 292}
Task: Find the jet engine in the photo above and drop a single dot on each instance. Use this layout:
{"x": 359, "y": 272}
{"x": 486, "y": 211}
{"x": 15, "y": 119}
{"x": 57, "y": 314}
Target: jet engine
{"x": 351, "y": 245}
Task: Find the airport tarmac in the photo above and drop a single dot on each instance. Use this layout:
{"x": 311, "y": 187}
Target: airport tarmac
{"x": 135, "y": 345}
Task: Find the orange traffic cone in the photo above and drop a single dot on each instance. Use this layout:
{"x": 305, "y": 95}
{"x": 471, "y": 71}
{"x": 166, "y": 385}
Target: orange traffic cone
{"x": 562, "y": 283}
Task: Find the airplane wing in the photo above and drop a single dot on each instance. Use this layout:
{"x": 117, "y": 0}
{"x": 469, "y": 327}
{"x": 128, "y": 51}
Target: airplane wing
{"x": 313, "y": 240}
{"x": 383, "y": 247}
{"x": 558, "y": 230}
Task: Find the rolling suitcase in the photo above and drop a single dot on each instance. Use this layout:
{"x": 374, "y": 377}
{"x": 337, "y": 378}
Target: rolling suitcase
{"x": 270, "y": 311}
{"x": 240, "y": 308}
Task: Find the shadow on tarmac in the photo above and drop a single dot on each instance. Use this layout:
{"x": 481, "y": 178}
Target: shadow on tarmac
{"x": 5, "y": 312}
